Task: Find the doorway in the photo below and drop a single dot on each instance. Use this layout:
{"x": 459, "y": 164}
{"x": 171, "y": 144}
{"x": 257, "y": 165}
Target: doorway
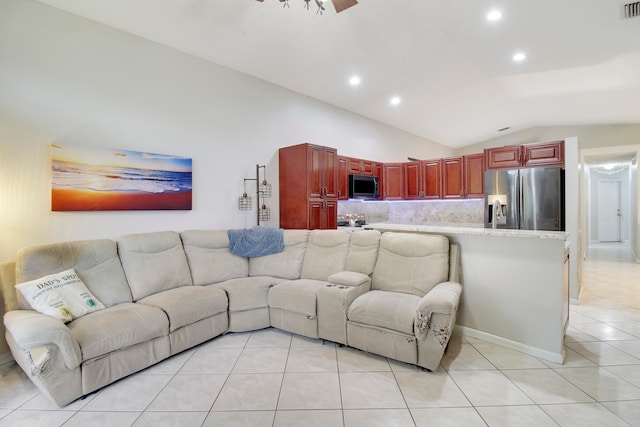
{"x": 609, "y": 212}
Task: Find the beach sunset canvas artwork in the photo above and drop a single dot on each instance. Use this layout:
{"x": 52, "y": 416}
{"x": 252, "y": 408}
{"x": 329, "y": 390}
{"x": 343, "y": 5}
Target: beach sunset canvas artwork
{"x": 95, "y": 179}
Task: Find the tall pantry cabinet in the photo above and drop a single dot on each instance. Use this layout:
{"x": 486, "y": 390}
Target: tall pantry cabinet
{"x": 308, "y": 187}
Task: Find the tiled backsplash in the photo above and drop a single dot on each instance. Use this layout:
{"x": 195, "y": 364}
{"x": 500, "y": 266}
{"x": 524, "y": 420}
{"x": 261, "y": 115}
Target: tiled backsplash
{"x": 461, "y": 213}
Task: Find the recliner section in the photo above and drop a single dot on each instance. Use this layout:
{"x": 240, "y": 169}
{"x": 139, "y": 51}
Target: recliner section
{"x": 394, "y": 294}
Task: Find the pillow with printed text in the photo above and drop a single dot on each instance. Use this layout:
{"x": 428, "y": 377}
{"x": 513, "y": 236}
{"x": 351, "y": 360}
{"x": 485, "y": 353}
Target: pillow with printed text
{"x": 61, "y": 295}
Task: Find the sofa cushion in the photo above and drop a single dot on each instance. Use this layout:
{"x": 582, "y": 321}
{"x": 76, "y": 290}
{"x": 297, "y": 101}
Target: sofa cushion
{"x": 326, "y": 253}
{"x": 153, "y": 262}
{"x": 390, "y": 310}
{"x": 298, "y": 296}
{"x": 188, "y": 304}
{"x": 363, "y": 251}
{"x": 118, "y": 327}
{"x": 247, "y": 293}
{"x": 286, "y": 264}
{"x": 95, "y": 261}
{"x": 210, "y": 260}
{"x": 411, "y": 263}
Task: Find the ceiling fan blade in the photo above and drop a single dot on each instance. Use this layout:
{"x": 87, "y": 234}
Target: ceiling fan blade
{"x": 341, "y": 5}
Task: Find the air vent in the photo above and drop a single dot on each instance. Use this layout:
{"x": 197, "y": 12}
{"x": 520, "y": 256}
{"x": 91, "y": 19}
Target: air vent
{"x": 632, "y": 10}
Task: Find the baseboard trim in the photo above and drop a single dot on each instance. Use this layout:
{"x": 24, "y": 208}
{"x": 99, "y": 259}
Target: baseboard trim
{"x": 514, "y": 345}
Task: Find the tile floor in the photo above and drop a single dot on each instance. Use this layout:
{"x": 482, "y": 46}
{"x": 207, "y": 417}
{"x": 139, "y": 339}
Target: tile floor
{"x": 271, "y": 378}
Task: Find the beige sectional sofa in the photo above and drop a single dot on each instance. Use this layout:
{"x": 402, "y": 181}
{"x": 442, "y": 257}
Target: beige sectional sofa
{"x": 393, "y": 294}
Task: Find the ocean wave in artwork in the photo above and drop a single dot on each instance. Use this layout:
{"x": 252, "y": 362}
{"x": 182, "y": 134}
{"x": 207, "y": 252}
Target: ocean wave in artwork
{"x": 80, "y": 176}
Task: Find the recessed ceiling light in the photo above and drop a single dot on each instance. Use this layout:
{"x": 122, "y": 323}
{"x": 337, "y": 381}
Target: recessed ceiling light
{"x": 519, "y": 57}
{"x": 354, "y": 81}
{"x": 395, "y": 100}
{"x": 494, "y": 15}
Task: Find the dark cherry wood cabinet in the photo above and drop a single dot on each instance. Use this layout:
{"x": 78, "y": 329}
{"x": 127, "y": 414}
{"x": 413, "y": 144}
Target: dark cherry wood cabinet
{"x": 308, "y": 187}
{"x": 528, "y": 155}
{"x": 547, "y": 154}
{"x": 343, "y": 178}
{"x": 463, "y": 177}
{"x": 393, "y": 178}
{"x": 413, "y": 180}
{"x": 432, "y": 173}
{"x": 474, "y": 176}
{"x": 361, "y": 167}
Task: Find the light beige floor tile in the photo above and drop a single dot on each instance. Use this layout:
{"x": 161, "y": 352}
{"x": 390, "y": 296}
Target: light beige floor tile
{"x": 628, "y": 410}
{"x": 35, "y": 418}
{"x": 572, "y": 360}
{"x": 629, "y": 373}
{"x": 41, "y": 402}
{"x": 575, "y": 335}
{"x": 354, "y": 360}
{"x": 212, "y": 361}
{"x": 603, "y": 353}
{"x": 600, "y": 384}
{"x": 447, "y": 417}
{"x": 544, "y": 386}
{"x": 102, "y": 419}
{"x": 602, "y": 331}
{"x": 406, "y": 367}
{"x": 489, "y": 388}
{"x": 466, "y": 357}
{"x": 516, "y": 416}
{"x": 315, "y": 390}
{"x": 583, "y": 414}
{"x": 300, "y": 341}
{"x": 506, "y": 358}
{"x": 15, "y": 387}
{"x": 309, "y": 418}
{"x": 269, "y": 337}
{"x": 168, "y": 419}
{"x": 631, "y": 347}
{"x": 630, "y": 327}
{"x": 378, "y": 418}
{"x": 240, "y": 419}
{"x": 430, "y": 390}
{"x": 249, "y": 392}
{"x": 369, "y": 390}
{"x": 132, "y": 394}
{"x": 261, "y": 360}
{"x": 171, "y": 365}
{"x": 312, "y": 359}
{"x": 189, "y": 393}
{"x": 230, "y": 340}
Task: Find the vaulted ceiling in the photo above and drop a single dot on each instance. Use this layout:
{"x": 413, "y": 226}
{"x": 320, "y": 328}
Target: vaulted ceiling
{"x": 450, "y": 67}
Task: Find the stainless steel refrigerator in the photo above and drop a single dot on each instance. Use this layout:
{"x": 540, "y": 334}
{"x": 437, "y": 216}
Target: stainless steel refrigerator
{"x": 527, "y": 199}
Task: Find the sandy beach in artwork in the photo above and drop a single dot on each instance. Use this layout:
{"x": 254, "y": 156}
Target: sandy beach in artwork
{"x": 89, "y": 200}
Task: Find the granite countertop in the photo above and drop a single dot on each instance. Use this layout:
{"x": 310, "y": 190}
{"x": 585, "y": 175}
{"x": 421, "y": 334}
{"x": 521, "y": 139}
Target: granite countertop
{"x": 471, "y": 230}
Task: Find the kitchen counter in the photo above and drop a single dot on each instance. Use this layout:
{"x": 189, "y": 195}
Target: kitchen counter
{"x": 515, "y": 285}
{"x": 470, "y": 230}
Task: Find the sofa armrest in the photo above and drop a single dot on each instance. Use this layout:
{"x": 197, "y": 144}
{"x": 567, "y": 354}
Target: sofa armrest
{"x": 348, "y": 278}
{"x": 32, "y": 331}
{"x": 443, "y": 299}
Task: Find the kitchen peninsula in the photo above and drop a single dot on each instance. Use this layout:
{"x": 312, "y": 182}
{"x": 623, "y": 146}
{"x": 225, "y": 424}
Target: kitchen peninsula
{"x": 515, "y": 285}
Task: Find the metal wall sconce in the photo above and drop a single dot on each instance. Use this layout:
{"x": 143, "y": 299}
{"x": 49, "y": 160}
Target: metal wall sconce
{"x": 263, "y": 191}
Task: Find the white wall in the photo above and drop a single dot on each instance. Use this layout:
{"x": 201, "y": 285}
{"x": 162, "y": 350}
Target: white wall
{"x": 70, "y": 81}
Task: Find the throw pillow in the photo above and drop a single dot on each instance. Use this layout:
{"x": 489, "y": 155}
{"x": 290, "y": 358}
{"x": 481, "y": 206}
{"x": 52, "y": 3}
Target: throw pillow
{"x": 61, "y": 295}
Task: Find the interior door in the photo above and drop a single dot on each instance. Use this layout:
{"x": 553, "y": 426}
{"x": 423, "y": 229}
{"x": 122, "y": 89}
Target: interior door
{"x": 609, "y": 214}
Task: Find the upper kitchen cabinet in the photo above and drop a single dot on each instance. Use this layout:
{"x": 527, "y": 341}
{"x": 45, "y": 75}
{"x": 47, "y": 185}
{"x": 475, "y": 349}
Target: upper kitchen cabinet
{"x": 308, "y": 186}
{"x": 463, "y": 177}
{"x": 393, "y": 181}
{"x": 515, "y": 156}
{"x": 361, "y": 167}
{"x": 422, "y": 179}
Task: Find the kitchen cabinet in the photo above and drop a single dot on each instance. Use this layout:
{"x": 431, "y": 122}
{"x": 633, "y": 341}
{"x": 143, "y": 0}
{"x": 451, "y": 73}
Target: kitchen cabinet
{"x": 308, "y": 187}
{"x": 361, "y": 167}
{"x": 422, "y": 179}
{"x": 343, "y": 178}
{"x": 463, "y": 177}
{"x": 528, "y": 155}
{"x": 393, "y": 178}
